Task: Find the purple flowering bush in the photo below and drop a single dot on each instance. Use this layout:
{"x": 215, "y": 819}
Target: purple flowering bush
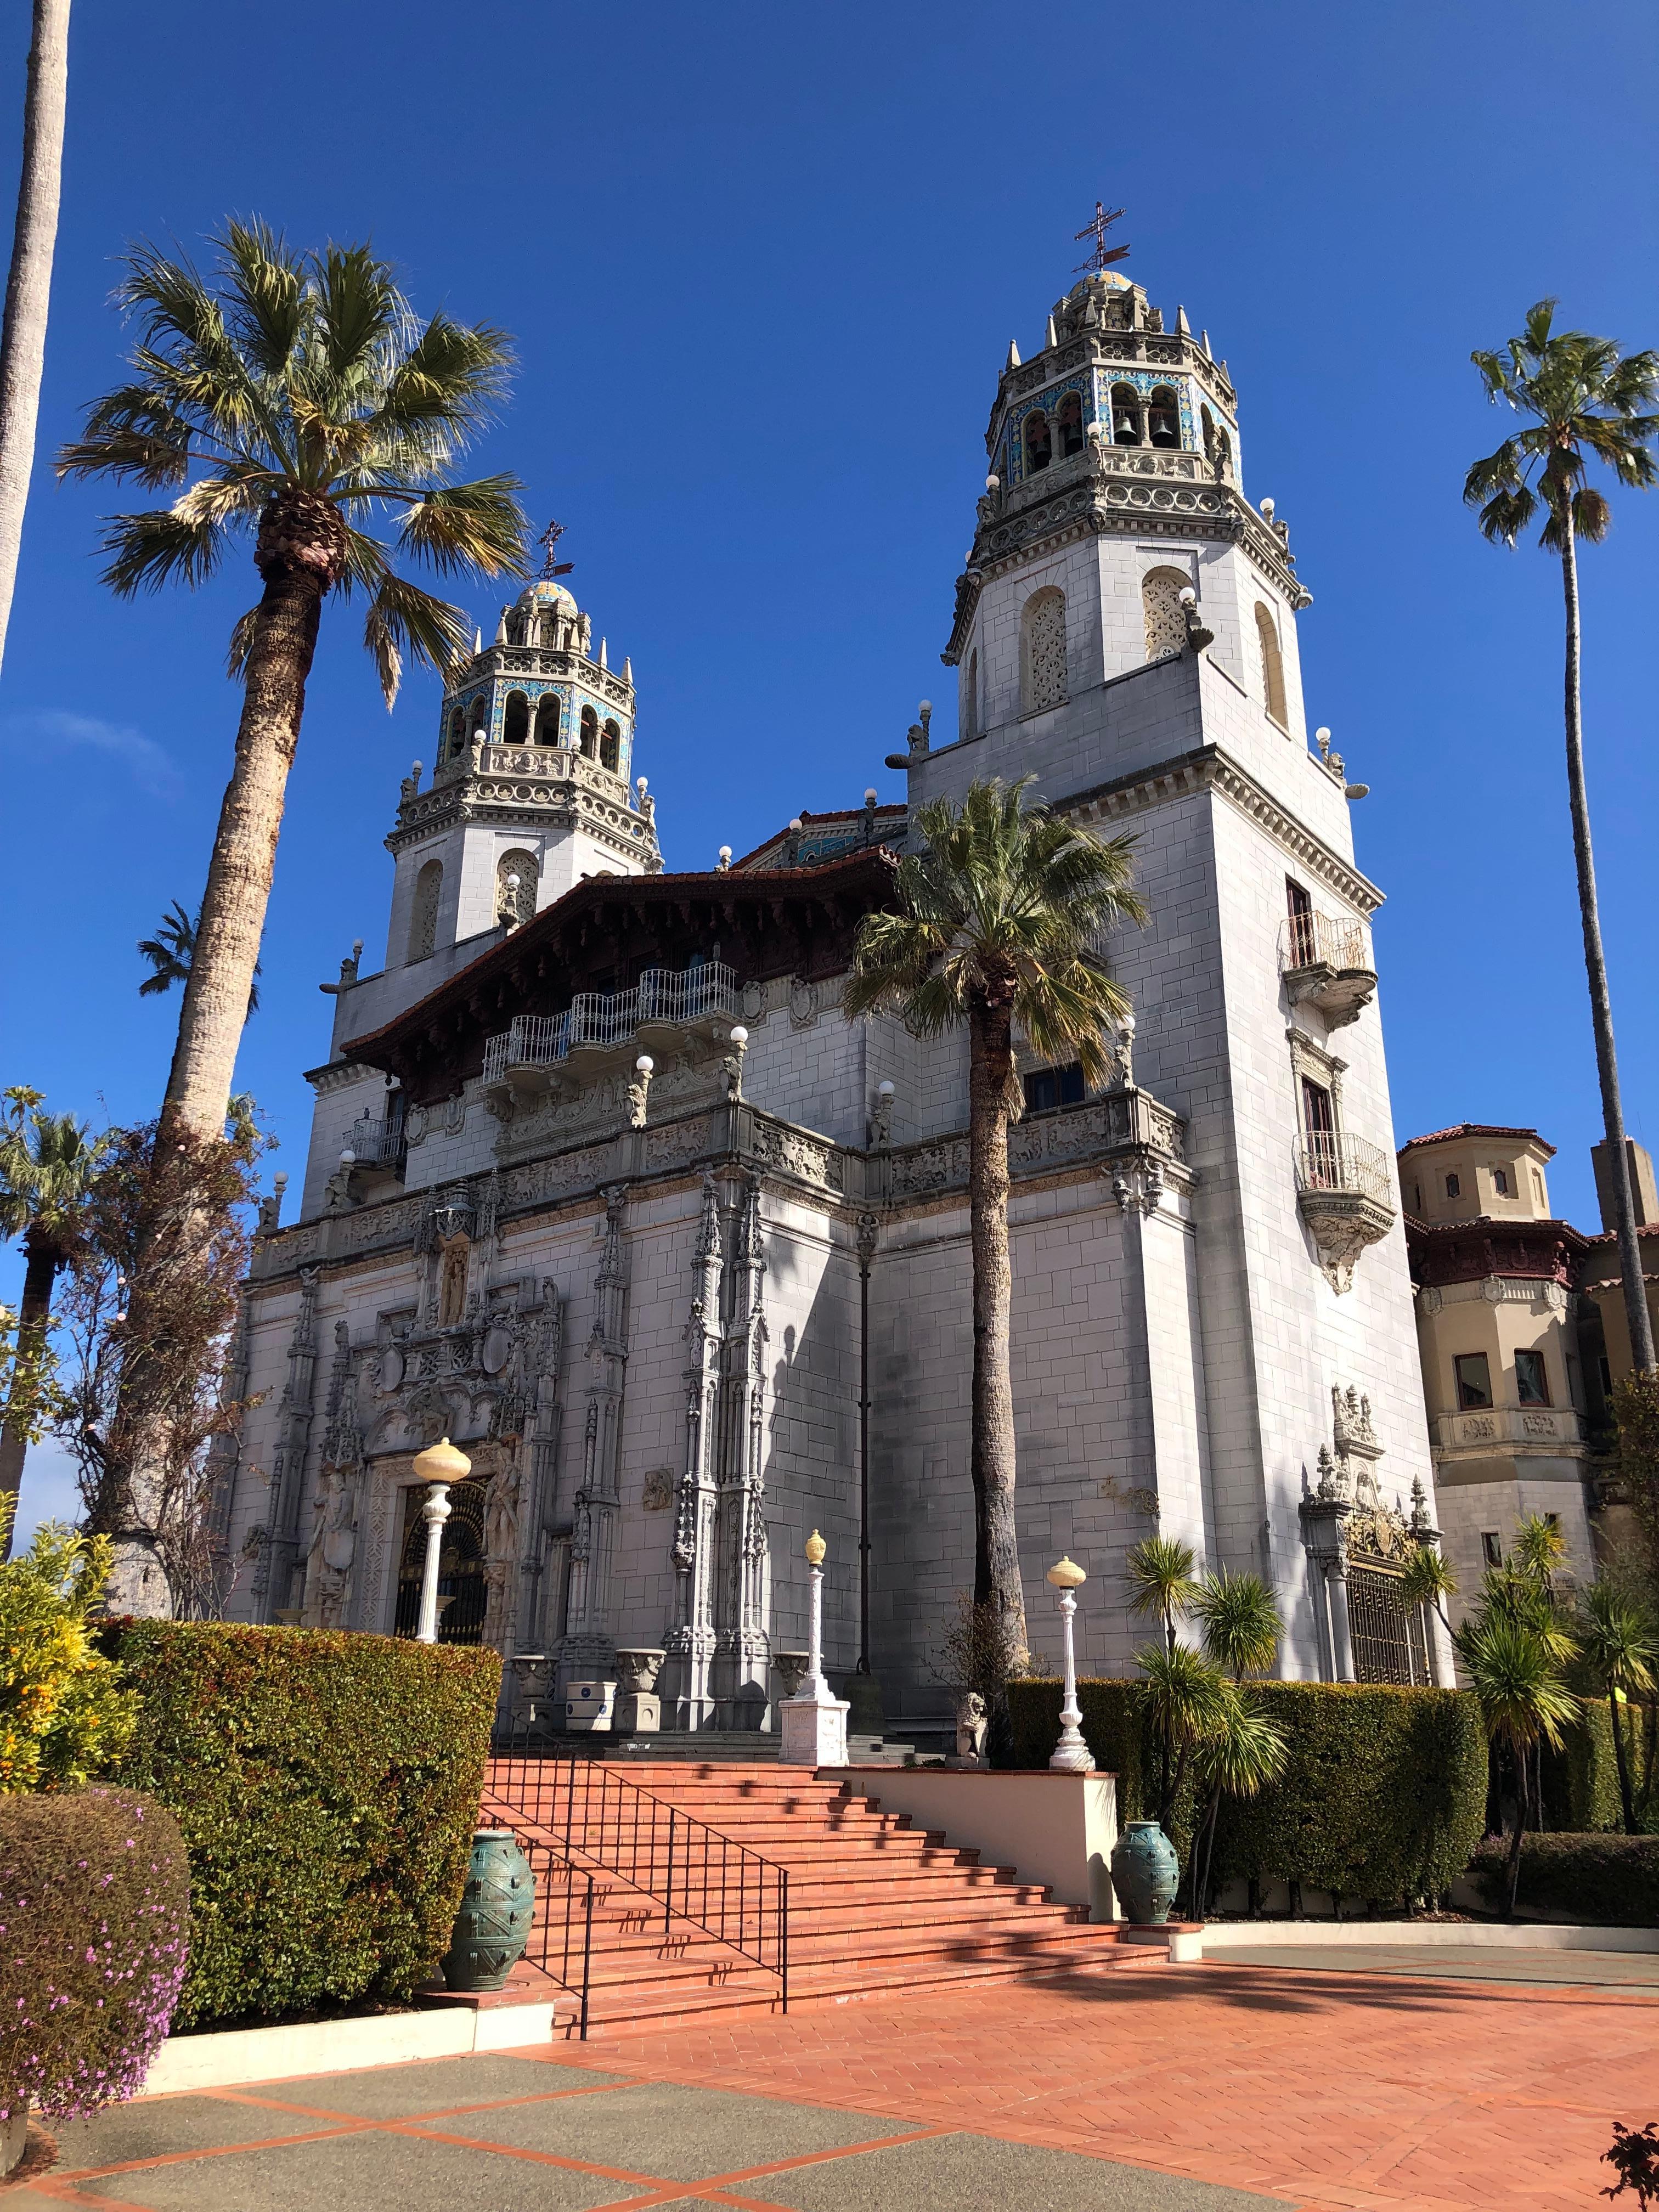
{"x": 94, "y": 1910}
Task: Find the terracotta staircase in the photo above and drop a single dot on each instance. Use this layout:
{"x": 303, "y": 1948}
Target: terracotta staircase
{"x": 875, "y": 1906}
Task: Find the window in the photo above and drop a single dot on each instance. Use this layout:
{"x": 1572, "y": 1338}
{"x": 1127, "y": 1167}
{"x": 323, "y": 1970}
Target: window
{"x": 457, "y": 734}
{"x": 515, "y": 726}
{"x": 1206, "y": 423}
{"x": 424, "y": 913}
{"x": 1164, "y": 417}
{"x": 590, "y": 732}
{"x": 478, "y": 720}
{"x": 1160, "y": 602}
{"x": 1500, "y": 1181}
{"x": 1047, "y": 1088}
{"x": 1039, "y": 448}
{"x": 1474, "y": 1380}
{"x": 1319, "y": 1130}
{"x": 547, "y": 719}
{"x": 1491, "y": 1547}
{"x": 610, "y": 747}
{"x": 1531, "y": 1384}
{"x": 1538, "y": 1190}
{"x": 1416, "y": 1198}
{"x": 1070, "y": 422}
{"x": 1300, "y": 904}
{"x": 1126, "y": 415}
{"x": 1454, "y": 1188}
{"x": 1224, "y": 452}
{"x": 516, "y": 875}
{"x": 1042, "y": 650}
{"x": 1273, "y": 668}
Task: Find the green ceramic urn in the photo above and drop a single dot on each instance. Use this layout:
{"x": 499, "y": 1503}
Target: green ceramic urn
{"x": 1145, "y": 1873}
{"x": 497, "y": 1907}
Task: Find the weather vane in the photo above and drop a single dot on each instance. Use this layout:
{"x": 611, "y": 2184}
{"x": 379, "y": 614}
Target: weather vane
{"x": 1103, "y": 255}
{"x": 550, "y": 541}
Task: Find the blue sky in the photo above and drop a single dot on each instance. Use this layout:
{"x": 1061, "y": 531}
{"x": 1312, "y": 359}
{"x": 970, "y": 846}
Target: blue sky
{"x": 763, "y": 266}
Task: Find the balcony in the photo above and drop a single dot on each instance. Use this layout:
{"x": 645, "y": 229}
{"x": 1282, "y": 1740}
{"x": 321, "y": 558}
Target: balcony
{"x": 1345, "y": 1192}
{"x": 380, "y": 1146}
{"x": 1511, "y": 1428}
{"x": 1326, "y": 962}
{"x": 602, "y": 1021}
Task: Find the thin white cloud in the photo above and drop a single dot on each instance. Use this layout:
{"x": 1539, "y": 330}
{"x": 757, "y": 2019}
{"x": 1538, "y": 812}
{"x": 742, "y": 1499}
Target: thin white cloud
{"x": 151, "y": 767}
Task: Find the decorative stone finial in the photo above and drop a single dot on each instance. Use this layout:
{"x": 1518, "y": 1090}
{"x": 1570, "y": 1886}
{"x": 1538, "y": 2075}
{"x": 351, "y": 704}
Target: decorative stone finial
{"x": 815, "y": 1549}
{"x": 441, "y": 1462}
{"x": 1013, "y": 360}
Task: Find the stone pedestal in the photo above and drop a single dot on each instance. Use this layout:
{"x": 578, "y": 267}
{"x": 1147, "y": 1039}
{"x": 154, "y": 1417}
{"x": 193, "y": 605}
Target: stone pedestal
{"x": 814, "y": 1732}
{"x": 637, "y": 1713}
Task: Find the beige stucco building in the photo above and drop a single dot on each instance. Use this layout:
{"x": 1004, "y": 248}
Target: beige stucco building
{"x": 1503, "y": 1378}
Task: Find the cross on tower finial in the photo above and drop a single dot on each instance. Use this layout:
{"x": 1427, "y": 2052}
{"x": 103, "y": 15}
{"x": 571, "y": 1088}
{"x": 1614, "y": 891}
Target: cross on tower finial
{"x": 1103, "y": 255}
{"x": 549, "y": 541}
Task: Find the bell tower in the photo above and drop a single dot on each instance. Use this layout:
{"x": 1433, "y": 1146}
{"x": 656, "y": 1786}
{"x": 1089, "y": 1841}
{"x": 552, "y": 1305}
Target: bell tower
{"x": 531, "y": 791}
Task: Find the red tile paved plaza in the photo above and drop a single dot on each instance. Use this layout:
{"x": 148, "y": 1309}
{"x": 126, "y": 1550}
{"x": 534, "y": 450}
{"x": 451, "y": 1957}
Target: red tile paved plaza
{"x": 1366, "y": 2092}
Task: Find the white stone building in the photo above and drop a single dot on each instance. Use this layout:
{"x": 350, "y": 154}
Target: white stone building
{"x": 678, "y": 1321}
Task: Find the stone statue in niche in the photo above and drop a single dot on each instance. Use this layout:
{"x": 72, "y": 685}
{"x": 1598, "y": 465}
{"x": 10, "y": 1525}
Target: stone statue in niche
{"x": 452, "y": 1282}
{"x": 332, "y": 1548}
{"x": 500, "y": 1547}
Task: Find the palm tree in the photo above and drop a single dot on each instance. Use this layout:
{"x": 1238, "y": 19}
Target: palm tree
{"x": 1620, "y": 1647}
{"x": 171, "y": 952}
{"x": 1524, "y": 1700}
{"x": 290, "y": 397}
{"x": 1538, "y": 1551}
{"x": 1427, "y": 1580}
{"x": 1585, "y": 402}
{"x": 47, "y": 1166}
{"x": 1239, "y": 1622}
{"x": 1159, "y": 1572}
{"x": 29, "y": 288}
{"x": 998, "y": 915}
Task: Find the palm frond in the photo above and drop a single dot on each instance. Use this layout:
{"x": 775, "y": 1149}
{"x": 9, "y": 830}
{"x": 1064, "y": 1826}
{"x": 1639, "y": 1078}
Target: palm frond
{"x": 265, "y": 295}
{"x": 403, "y": 619}
{"x": 472, "y": 526}
{"x": 158, "y": 547}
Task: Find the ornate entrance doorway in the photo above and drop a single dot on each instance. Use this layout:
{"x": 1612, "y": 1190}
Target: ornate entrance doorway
{"x": 462, "y": 1588}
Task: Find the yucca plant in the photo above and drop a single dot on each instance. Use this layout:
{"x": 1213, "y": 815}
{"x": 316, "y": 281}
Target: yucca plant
{"x": 1189, "y": 1699}
{"x": 1239, "y": 1620}
{"x": 1427, "y": 1579}
{"x": 1160, "y": 1572}
{"x": 289, "y": 399}
{"x": 1247, "y": 1751}
{"x": 1585, "y": 402}
{"x": 1515, "y": 1674}
{"x": 996, "y": 926}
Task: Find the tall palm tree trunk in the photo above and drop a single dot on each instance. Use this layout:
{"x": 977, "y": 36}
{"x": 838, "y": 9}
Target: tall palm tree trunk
{"x": 40, "y": 1272}
{"x": 29, "y": 289}
{"x": 996, "y": 1544}
{"x": 1606, "y": 1062}
{"x": 300, "y": 548}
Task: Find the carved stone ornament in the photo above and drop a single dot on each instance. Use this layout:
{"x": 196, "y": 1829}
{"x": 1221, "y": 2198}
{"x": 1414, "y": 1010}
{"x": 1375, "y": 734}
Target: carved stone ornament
{"x": 657, "y": 1495}
{"x": 1343, "y": 1224}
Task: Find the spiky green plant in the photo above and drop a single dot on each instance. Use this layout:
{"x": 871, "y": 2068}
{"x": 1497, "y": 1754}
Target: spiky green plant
{"x": 1585, "y": 402}
{"x": 1189, "y": 1699}
{"x": 1239, "y": 1620}
{"x": 1516, "y": 1675}
{"x": 1427, "y": 1579}
{"x": 1247, "y": 1752}
{"x": 1620, "y": 1644}
{"x": 1160, "y": 1572}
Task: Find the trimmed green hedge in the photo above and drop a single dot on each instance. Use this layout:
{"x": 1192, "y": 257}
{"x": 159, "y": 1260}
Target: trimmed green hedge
{"x": 327, "y": 1788}
{"x": 1383, "y": 1796}
{"x": 1613, "y": 1881}
{"x": 1581, "y": 1780}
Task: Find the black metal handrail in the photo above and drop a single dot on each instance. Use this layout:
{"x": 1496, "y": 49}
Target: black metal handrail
{"x": 583, "y": 1809}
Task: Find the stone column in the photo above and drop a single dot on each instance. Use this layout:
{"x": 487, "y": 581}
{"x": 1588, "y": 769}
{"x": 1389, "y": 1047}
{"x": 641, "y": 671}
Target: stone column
{"x": 690, "y": 1641}
{"x": 814, "y": 1722}
{"x": 588, "y": 1650}
{"x": 1336, "y": 1597}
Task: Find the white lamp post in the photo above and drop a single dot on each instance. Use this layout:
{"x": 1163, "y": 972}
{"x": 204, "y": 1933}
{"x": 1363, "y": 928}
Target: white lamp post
{"x": 1072, "y": 1755}
{"x": 814, "y": 1721}
{"x": 438, "y": 1466}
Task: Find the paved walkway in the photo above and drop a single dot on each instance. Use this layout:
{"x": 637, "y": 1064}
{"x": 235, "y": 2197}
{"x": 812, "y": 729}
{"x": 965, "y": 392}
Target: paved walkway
{"x": 1214, "y": 2088}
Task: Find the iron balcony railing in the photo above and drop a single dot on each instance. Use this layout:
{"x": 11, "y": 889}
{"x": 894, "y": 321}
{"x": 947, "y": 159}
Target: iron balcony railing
{"x": 573, "y": 1817}
{"x": 1324, "y": 940}
{"x": 380, "y": 1144}
{"x": 599, "y": 1018}
{"x": 1326, "y": 1161}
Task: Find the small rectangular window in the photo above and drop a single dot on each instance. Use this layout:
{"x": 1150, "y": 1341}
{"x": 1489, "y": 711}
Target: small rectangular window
{"x": 1531, "y": 1384}
{"x": 1047, "y": 1088}
{"x": 1538, "y": 1189}
{"x": 1454, "y": 1188}
{"x": 1500, "y": 1181}
{"x": 1474, "y": 1380}
{"x": 1492, "y": 1548}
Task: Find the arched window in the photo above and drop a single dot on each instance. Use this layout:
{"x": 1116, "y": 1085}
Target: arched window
{"x": 1070, "y": 419}
{"x": 1206, "y": 422}
{"x": 1164, "y": 417}
{"x": 1126, "y": 415}
{"x": 516, "y": 725}
{"x": 590, "y": 737}
{"x": 1224, "y": 452}
{"x": 424, "y": 913}
{"x": 457, "y": 734}
{"x": 478, "y": 720}
{"x": 1160, "y": 602}
{"x": 516, "y": 875}
{"x": 547, "y": 719}
{"x": 1039, "y": 448}
{"x": 1042, "y": 650}
{"x": 1272, "y": 666}
{"x": 610, "y": 748}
